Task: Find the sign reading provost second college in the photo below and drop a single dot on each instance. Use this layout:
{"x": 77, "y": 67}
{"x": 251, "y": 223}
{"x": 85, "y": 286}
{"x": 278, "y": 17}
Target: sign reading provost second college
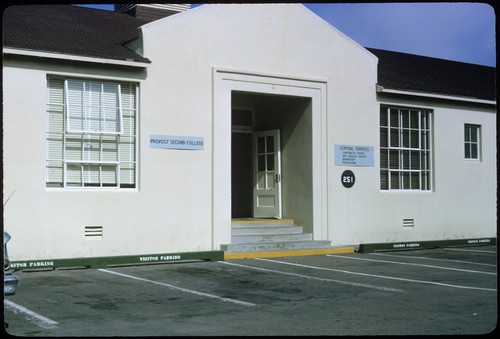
{"x": 354, "y": 155}
{"x": 176, "y": 142}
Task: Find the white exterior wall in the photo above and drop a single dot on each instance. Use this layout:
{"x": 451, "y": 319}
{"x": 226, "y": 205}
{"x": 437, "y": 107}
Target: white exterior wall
{"x": 173, "y": 208}
{"x": 461, "y": 205}
{"x": 282, "y": 41}
{"x": 47, "y": 222}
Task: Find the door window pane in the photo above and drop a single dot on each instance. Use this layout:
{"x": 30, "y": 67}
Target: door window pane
{"x": 270, "y": 144}
{"x": 270, "y": 162}
{"x": 261, "y": 163}
{"x": 261, "y": 145}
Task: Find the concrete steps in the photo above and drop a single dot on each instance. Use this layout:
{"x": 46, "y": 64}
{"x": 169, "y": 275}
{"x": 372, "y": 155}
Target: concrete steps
{"x": 256, "y": 235}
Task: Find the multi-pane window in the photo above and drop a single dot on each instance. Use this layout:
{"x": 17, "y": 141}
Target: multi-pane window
{"x": 93, "y": 107}
{"x": 91, "y": 133}
{"x": 471, "y": 141}
{"x": 405, "y": 149}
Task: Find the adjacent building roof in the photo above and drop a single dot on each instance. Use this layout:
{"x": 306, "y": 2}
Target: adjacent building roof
{"x": 414, "y": 73}
{"x": 88, "y": 32}
{"x": 73, "y": 30}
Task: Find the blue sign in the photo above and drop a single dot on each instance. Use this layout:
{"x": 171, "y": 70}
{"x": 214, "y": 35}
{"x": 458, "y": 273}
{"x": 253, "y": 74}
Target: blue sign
{"x": 354, "y": 155}
{"x": 176, "y": 142}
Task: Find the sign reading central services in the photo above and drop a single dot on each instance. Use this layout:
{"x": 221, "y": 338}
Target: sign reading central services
{"x": 176, "y": 142}
{"x": 354, "y": 155}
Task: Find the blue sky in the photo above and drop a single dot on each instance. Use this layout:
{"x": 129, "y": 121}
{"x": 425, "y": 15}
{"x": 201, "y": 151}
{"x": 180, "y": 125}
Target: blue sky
{"x": 454, "y": 31}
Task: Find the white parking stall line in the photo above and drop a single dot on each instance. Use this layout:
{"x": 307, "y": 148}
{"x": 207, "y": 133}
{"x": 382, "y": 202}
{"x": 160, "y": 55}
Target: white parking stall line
{"x": 470, "y": 250}
{"x": 31, "y": 316}
{"x": 434, "y": 259}
{"x": 413, "y": 264}
{"x": 200, "y": 294}
{"x": 383, "y": 276}
{"x": 382, "y": 288}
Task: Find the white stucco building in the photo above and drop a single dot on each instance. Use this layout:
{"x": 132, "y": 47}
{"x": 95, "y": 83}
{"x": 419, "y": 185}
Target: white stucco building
{"x": 156, "y": 137}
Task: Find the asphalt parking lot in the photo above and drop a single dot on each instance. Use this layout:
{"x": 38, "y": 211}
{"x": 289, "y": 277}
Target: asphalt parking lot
{"x": 443, "y": 291}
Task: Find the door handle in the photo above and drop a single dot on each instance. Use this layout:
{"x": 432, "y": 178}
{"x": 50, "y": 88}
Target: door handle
{"x": 277, "y": 178}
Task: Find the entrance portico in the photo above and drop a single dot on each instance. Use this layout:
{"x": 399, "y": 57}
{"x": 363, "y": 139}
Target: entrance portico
{"x": 291, "y": 110}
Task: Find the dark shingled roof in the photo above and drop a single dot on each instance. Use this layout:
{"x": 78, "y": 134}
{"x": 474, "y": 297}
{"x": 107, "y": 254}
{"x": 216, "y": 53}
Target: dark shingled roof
{"x": 408, "y": 72}
{"x": 96, "y": 33}
{"x": 71, "y": 30}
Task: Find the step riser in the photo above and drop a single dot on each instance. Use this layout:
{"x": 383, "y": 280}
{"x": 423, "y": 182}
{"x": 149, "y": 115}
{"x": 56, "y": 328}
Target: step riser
{"x": 266, "y": 230}
{"x": 275, "y": 246}
{"x": 270, "y": 237}
{"x": 262, "y": 224}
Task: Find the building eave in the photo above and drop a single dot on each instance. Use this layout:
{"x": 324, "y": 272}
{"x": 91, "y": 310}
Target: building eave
{"x": 49, "y": 55}
{"x": 381, "y": 89}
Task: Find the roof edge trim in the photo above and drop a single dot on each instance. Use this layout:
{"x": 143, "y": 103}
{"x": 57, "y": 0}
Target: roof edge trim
{"x": 381, "y": 89}
{"x": 74, "y": 57}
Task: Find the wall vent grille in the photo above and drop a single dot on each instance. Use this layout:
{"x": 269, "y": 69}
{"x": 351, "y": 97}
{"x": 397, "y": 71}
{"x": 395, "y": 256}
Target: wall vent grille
{"x": 93, "y": 232}
{"x": 408, "y": 222}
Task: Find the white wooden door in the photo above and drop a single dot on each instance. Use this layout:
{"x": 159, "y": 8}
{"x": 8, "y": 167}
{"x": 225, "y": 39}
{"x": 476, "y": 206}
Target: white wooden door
{"x": 267, "y": 174}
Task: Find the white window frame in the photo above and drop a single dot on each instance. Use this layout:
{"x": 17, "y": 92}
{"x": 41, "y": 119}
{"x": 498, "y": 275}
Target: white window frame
{"x": 91, "y": 158}
{"x": 470, "y": 144}
{"x": 404, "y": 169}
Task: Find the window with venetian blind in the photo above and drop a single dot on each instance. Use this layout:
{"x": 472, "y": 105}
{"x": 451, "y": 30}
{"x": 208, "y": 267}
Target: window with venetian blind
{"x": 405, "y": 149}
{"x": 91, "y": 133}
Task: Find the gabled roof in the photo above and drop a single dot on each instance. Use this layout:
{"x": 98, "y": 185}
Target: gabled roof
{"x": 71, "y": 30}
{"x": 414, "y": 73}
{"x": 96, "y": 33}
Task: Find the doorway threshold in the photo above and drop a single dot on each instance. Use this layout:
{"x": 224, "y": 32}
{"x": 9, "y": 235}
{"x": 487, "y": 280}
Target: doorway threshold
{"x": 259, "y": 220}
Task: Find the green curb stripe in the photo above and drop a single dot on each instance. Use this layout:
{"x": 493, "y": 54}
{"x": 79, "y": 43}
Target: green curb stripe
{"x": 102, "y": 262}
{"x": 366, "y": 248}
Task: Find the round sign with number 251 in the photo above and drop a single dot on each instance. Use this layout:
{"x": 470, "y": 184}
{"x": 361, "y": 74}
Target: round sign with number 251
{"x": 348, "y": 179}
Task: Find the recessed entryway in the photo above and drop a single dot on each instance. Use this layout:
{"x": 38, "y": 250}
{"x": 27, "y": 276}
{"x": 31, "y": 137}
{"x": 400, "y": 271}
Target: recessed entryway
{"x": 287, "y": 118}
{"x": 271, "y": 157}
